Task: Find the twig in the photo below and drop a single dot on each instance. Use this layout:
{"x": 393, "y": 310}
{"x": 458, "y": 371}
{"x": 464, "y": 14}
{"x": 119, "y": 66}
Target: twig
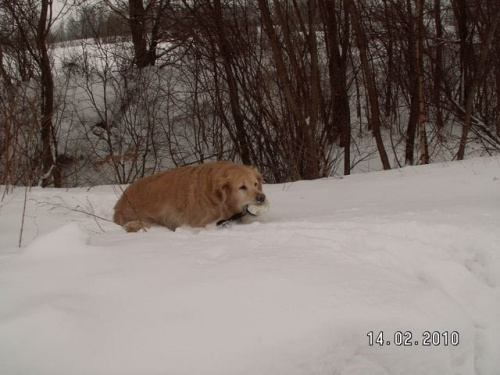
{"x": 95, "y": 218}
{"x": 77, "y": 209}
{"x": 24, "y": 214}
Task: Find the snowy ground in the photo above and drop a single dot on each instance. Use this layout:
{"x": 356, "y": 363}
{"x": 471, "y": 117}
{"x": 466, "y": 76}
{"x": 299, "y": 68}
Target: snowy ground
{"x": 296, "y": 292}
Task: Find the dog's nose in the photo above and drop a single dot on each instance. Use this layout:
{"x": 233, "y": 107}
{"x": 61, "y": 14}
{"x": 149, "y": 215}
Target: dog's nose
{"x": 260, "y": 198}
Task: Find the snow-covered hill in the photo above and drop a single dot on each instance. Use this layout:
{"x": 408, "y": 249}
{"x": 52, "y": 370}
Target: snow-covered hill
{"x": 298, "y": 291}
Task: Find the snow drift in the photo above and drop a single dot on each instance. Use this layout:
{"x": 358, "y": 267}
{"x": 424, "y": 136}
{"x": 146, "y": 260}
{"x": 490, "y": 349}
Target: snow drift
{"x": 296, "y": 291}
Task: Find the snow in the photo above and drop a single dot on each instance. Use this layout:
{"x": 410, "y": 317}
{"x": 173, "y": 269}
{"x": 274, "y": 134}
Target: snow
{"x": 294, "y": 291}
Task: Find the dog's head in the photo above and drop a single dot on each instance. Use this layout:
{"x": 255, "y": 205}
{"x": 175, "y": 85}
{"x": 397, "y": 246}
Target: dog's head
{"x": 241, "y": 186}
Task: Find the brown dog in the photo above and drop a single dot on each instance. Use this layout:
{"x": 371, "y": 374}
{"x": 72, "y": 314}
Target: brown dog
{"x": 193, "y": 195}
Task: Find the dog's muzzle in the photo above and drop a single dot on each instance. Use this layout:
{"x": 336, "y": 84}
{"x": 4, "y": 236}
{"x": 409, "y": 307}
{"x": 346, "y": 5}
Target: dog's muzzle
{"x": 252, "y": 209}
{"x": 260, "y": 198}
{"x": 259, "y": 208}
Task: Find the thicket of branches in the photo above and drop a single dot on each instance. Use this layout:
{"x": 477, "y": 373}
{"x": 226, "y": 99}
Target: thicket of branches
{"x": 116, "y": 90}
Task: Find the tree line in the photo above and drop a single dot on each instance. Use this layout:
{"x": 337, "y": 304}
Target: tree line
{"x": 300, "y": 88}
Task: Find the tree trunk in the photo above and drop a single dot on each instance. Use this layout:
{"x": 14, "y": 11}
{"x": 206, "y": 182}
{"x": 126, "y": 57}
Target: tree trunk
{"x": 137, "y": 21}
{"x": 370, "y": 84}
{"x": 311, "y": 158}
{"x": 497, "y": 79}
{"x": 438, "y": 70}
{"x": 417, "y": 116}
{"x": 424, "y": 152}
{"x": 411, "y": 129}
{"x": 312, "y": 152}
{"x": 234, "y": 101}
{"x": 337, "y": 69}
{"x": 481, "y": 68}
{"x": 51, "y": 172}
{"x": 466, "y": 47}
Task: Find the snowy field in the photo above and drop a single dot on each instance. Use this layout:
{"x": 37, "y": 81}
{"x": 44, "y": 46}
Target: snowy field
{"x": 297, "y": 291}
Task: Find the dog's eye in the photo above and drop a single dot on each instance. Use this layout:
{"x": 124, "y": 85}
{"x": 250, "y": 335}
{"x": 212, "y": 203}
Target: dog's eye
{"x": 243, "y": 187}
{"x": 255, "y": 184}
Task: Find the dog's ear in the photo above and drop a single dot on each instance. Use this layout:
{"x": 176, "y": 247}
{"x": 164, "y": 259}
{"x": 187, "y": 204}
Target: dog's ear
{"x": 258, "y": 175}
{"x": 256, "y": 171}
{"x": 223, "y": 188}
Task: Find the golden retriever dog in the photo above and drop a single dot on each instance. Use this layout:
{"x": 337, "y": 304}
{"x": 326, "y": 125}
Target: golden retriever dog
{"x": 193, "y": 195}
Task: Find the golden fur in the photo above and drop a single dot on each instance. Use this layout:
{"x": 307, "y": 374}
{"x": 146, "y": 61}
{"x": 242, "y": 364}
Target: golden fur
{"x": 192, "y": 195}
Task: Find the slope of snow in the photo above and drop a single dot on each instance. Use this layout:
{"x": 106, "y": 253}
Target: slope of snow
{"x": 294, "y": 292}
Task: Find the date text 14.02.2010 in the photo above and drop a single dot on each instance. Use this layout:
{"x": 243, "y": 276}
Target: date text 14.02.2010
{"x": 407, "y": 338}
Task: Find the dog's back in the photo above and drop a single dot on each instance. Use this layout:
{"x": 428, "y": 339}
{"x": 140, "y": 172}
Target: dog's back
{"x": 181, "y": 196}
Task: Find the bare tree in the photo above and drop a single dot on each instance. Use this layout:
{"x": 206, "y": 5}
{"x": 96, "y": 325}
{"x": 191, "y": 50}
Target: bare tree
{"x": 227, "y": 53}
{"x": 438, "y": 66}
{"x": 471, "y": 93}
{"x": 269, "y": 82}
{"x": 306, "y": 125}
{"x": 337, "y": 40}
{"x": 34, "y": 24}
{"x": 369, "y": 82}
{"x": 419, "y": 56}
{"x": 147, "y": 21}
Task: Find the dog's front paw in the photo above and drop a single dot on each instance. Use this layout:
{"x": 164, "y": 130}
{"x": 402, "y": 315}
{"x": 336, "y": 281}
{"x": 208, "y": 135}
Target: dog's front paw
{"x": 135, "y": 226}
